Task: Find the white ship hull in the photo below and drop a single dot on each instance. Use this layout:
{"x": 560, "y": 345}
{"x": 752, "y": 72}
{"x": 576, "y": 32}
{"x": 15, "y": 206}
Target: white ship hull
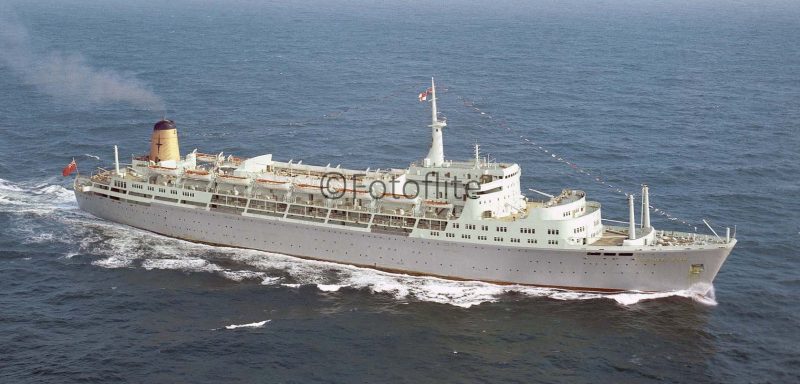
{"x": 645, "y": 270}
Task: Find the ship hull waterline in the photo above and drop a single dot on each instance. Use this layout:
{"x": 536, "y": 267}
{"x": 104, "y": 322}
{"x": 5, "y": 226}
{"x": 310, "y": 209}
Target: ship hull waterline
{"x": 568, "y": 269}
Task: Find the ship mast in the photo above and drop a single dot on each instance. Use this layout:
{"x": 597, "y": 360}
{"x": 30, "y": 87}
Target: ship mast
{"x": 435, "y": 156}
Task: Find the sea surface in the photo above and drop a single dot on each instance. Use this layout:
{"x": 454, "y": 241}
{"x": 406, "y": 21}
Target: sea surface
{"x": 698, "y": 99}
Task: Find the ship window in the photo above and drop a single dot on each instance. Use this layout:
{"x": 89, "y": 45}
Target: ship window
{"x": 498, "y": 239}
{"x": 485, "y": 227}
{"x": 434, "y": 233}
{"x": 450, "y": 235}
{"x": 481, "y": 237}
{"x": 465, "y": 236}
{"x": 531, "y": 241}
{"x": 513, "y": 240}
{"x": 455, "y": 225}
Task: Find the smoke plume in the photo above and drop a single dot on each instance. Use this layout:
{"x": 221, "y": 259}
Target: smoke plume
{"x": 68, "y": 78}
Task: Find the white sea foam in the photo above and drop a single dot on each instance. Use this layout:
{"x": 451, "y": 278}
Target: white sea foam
{"x": 245, "y": 275}
{"x": 70, "y": 255}
{"x": 328, "y": 287}
{"x": 250, "y": 325}
{"x": 42, "y": 198}
{"x": 332, "y": 277}
{"x": 44, "y": 237}
{"x": 184, "y": 264}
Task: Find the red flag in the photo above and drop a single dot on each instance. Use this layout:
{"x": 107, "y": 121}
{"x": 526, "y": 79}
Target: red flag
{"x": 71, "y": 167}
{"x": 423, "y": 95}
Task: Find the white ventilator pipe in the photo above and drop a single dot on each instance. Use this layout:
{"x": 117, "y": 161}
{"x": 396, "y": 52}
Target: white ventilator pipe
{"x": 631, "y": 218}
{"x": 116, "y": 160}
{"x": 646, "y": 208}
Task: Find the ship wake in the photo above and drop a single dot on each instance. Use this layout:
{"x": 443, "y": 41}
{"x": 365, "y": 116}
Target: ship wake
{"x": 36, "y": 207}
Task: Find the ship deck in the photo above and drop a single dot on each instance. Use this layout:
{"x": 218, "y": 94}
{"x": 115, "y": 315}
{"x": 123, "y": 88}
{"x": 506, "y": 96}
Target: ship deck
{"x": 611, "y": 238}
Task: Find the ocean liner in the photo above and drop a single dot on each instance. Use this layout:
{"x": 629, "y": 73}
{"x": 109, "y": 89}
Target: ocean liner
{"x": 465, "y": 220}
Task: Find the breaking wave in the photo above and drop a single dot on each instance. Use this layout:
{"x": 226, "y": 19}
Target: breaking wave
{"x": 110, "y": 245}
{"x": 259, "y": 324}
{"x": 41, "y": 197}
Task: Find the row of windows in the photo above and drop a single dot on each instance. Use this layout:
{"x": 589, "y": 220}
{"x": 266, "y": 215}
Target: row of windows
{"x": 483, "y": 227}
{"x": 521, "y": 230}
{"x": 122, "y": 184}
{"x": 579, "y": 230}
{"x": 483, "y": 237}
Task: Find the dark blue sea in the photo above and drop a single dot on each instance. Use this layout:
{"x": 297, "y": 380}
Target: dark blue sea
{"x": 698, "y": 99}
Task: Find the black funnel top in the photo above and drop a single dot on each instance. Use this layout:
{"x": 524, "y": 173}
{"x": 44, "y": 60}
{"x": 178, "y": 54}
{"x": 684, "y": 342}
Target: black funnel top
{"x": 164, "y": 125}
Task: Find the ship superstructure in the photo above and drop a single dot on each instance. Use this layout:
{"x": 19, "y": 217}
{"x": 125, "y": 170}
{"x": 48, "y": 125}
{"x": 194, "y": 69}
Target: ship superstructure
{"x": 454, "y": 219}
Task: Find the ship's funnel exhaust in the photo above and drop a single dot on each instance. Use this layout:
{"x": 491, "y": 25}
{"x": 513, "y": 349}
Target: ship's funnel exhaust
{"x": 164, "y": 148}
{"x": 645, "y": 206}
{"x": 631, "y": 218}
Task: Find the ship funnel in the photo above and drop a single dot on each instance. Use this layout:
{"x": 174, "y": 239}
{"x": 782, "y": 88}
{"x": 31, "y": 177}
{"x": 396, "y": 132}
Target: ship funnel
{"x": 164, "y": 143}
{"x": 645, "y": 206}
{"x": 632, "y": 218}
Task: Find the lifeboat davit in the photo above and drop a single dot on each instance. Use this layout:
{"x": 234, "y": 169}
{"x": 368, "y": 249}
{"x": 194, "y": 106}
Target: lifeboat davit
{"x": 169, "y": 171}
{"x": 438, "y": 204}
{"x": 235, "y": 180}
{"x": 399, "y": 199}
{"x": 197, "y": 174}
{"x": 314, "y": 189}
{"x": 282, "y": 185}
{"x": 206, "y": 157}
{"x": 359, "y": 193}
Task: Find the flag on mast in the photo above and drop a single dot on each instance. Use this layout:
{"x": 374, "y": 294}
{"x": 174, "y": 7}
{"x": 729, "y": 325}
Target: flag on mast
{"x": 71, "y": 167}
{"x": 424, "y": 95}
